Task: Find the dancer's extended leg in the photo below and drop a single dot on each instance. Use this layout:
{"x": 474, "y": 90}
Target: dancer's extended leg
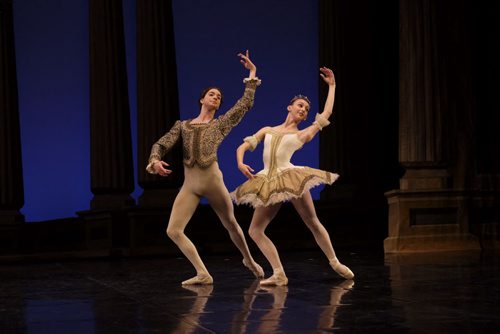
{"x": 184, "y": 206}
{"x": 220, "y": 201}
{"x": 305, "y": 207}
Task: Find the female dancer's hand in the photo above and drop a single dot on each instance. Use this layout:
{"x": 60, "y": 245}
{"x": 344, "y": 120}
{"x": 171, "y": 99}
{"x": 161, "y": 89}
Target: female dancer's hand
{"x": 245, "y": 60}
{"x": 246, "y": 170}
{"x": 159, "y": 168}
{"x": 327, "y": 75}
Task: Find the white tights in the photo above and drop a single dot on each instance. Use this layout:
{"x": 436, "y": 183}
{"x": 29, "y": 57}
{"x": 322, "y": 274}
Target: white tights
{"x": 207, "y": 183}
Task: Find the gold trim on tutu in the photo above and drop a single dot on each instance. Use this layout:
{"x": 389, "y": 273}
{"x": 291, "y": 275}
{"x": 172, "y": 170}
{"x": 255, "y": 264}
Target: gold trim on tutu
{"x": 286, "y": 185}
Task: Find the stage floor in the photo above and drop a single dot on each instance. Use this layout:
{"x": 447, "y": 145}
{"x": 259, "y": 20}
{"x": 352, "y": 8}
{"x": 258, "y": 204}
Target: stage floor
{"x": 426, "y": 293}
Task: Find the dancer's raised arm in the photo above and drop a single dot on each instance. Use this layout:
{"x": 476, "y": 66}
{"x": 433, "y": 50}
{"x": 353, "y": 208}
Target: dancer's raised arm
{"x": 227, "y": 121}
{"x": 321, "y": 120}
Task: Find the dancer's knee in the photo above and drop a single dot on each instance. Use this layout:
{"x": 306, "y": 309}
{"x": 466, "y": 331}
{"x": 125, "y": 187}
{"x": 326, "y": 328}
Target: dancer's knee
{"x": 174, "y": 233}
{"x": 255, "y": 233}
{"x": 231, "y": 226}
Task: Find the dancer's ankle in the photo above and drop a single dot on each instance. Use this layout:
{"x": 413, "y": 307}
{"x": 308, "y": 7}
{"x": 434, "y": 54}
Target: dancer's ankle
{"x": 202, "y": 274}
{"x": 279, "y": 271}
{"x": 277, "y": 279}
{"x": 205, "y": 278}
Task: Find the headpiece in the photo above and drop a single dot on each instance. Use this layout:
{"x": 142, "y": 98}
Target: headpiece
{"x": 299, "y": 97}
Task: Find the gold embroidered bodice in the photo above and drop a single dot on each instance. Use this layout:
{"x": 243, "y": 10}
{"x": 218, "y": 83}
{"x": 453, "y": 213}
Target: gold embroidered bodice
{"x": 200, "y": 141}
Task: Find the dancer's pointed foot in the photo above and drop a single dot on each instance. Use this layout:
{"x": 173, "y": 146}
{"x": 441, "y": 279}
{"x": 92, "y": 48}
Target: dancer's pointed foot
{"x": 341, "y": 269}
{"x": 255, "y": 268}
{"x": 278, "y": 279}
{"x": 199, "y": 279}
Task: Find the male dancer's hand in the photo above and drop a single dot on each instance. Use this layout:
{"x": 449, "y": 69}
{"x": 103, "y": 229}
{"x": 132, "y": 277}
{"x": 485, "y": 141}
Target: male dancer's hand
{"x": 159, "y": 167}
{"x": 249, "y": 65}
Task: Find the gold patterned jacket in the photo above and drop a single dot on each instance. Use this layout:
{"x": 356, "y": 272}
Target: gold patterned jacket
{"x": 200, "y": 141}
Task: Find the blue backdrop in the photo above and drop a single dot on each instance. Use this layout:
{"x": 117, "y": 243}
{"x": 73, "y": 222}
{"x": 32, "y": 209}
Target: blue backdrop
{"x": 51, "y": 39}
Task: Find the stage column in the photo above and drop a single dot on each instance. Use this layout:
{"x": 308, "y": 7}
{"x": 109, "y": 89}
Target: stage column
{"x": 157, "y": 98}
{"x": 427, "y": 213}
{"x": 157, "y": 111}
{"x": 112, "y": 181}
{"x": 11, "y": 169}
{"x": 111, "y": 147}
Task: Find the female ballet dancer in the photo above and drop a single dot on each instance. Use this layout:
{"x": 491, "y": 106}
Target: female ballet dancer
{"x": 281, "y": 181}
{"x": 201, "y": 138}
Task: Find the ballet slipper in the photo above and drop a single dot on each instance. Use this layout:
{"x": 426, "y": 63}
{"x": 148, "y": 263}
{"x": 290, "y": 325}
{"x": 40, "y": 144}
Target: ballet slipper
{"x": 199, "y": 279}
{"x": 341, "y": 269}
{"x": 255, "y": 268}
{"x": 278, "y": 279}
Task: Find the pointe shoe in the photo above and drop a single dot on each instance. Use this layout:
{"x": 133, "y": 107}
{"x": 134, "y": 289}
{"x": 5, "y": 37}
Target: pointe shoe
{"x": 199, "y": 280}
{"x": 341, "y": 269}
{"x": 255, "y": 268}
{"x": 278, "y": 279}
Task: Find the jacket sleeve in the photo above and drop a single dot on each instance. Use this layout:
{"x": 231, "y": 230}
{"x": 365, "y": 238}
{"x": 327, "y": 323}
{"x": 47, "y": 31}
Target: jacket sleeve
{"x": 234, "y": 115}
{"x": 163, "y": 145}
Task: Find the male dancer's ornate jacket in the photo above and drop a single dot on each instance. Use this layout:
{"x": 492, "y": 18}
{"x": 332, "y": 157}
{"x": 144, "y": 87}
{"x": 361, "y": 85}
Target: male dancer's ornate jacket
{"x": 200, "y": 141}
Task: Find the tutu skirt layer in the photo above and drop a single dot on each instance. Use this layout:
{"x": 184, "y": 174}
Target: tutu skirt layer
{"x": 284, "y": 186}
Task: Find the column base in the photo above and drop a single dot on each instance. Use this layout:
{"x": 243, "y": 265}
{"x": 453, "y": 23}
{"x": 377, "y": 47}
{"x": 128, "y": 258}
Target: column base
{"x": 430, "y": 220}
{"x": 11, "y": 217}
{"x": 107, "y": 231}
{"x": 431, "y": 243}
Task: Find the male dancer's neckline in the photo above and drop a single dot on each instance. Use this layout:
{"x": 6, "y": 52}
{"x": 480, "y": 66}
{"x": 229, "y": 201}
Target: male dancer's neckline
{"x": 190, "y": 122}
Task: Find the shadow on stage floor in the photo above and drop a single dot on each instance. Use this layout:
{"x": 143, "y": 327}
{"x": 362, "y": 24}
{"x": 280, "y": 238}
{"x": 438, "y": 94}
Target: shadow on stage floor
{"x": 426, "y": 293}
